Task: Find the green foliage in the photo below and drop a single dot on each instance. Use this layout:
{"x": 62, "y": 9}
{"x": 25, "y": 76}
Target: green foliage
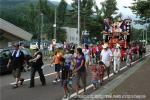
{"x": 61, "y": 12}
{"x": 27, "y": 15}
{"x": 141, "y": 8}
{"x": 109, "y": 7}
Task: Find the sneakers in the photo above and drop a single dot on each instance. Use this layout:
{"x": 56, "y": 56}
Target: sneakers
{"x": 15, "y": 86}
{"x": 56, "y": 80}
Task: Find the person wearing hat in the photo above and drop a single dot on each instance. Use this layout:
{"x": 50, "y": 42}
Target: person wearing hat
{"x": 17, "y": 60}
{"x": 116, "y": 57}
{"x": 37, "y": 63}
{"x": 106, "y": 57}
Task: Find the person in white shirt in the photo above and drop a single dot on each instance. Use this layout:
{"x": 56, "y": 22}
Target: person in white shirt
{"x": 116, "y": 57}
{"x": 106, "y": 57}
{"x": 86, "y": 55}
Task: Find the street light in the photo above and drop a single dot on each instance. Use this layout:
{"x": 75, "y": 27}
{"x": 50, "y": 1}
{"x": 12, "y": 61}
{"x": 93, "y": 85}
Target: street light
{"x": 79, "y": 21}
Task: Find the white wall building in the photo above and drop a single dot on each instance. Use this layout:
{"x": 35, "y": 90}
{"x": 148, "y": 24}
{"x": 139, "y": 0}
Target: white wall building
{"x": 72, "y": 35}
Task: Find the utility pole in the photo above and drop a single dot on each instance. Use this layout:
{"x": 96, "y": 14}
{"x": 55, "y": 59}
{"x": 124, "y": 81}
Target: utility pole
{"x": 55, "y": 19}
{"x": 146, "y": 32}
{"x": 41, "y": 30}
{"x": 79, "y": 21}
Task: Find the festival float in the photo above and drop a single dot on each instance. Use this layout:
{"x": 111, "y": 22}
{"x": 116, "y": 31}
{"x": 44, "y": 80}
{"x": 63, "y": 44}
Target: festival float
{"x": 117, "y": 32}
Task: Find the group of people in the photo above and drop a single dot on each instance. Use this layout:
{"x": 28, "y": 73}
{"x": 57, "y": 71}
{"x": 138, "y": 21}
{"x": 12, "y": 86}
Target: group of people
{"x": 16, "y": 62}
{"x": 72, "y": 65}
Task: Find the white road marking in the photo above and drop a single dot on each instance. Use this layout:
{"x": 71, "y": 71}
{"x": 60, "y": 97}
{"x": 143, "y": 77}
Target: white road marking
{"x": 36, "y": 77}
{"x": 88, "y": 87}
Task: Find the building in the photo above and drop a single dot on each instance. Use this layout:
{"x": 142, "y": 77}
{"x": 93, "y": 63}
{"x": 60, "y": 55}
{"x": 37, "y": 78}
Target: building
{"x": 10, "y": 33}
{"x": 71, "y": 35}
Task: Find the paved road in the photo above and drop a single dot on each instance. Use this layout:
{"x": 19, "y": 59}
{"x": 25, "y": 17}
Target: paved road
{"x": 49, "y": 92}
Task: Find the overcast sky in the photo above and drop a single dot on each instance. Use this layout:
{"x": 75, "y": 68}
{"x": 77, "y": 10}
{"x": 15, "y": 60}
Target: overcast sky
{"x": 120, "y": 4}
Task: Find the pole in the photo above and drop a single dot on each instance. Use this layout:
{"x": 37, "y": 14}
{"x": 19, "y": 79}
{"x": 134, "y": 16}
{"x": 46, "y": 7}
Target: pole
{"x": 79, "y": 21}
{"x": 41, "y": 29}
{"x": 55, "y": 24}
{"x": 143, "y": 34}
{"x": 146, "y": 32}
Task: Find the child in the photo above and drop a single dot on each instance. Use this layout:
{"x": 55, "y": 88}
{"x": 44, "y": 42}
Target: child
{"x": 94, "y": 76}
{"x": 64, "y": 77}
{"x": 100, "y": 70}
{"x": 68, "y": 63}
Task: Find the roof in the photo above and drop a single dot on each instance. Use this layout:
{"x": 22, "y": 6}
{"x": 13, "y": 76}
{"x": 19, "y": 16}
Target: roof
{"x": 14, "y": 30}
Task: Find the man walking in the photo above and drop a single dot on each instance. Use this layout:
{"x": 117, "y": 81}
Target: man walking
{"x": 37, "y": 63}
{"x": 17, "y": 60}
{"x": 117, "y": 56}
{"x": 106, "y": 57}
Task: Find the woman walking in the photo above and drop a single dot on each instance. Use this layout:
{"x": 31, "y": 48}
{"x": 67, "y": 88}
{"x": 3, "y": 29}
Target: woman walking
{"x": 80, "y": 70}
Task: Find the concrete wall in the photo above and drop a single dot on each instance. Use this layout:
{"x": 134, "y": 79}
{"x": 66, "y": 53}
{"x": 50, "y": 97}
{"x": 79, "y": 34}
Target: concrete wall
{"x": 72, "y": 35}
{"x": 3, "y": 43}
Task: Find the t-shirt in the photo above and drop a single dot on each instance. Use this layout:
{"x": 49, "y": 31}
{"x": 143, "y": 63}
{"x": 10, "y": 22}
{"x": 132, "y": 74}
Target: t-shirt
{"x": 117, "y": 54}
{"x": 17, "y": 58}
{"x": 106, "y": 54}
{"x": 78, "y": 63}
{"x": 86, "y": 54}
{"x": 68, "y": 58}
{"x": 57, "y": 58}
{"x": 40, "y": 60}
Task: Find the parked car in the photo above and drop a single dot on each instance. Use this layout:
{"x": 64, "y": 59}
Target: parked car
{"x": 4, "y": 58}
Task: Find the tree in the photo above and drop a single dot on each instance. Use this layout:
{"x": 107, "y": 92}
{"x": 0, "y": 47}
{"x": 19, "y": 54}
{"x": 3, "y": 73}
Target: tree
{"x": 61, "y": 12}
{"x": 109, "y": 8}
{"x": 141, "y": 8}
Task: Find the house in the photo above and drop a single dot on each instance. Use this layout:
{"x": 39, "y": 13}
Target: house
{"x": 10, "y": 33}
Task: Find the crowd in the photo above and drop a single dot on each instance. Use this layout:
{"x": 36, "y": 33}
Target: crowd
{"x": 73, "y": 63}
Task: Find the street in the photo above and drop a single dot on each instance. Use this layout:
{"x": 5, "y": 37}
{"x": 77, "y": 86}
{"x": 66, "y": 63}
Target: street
{"x": 49, "y": 92}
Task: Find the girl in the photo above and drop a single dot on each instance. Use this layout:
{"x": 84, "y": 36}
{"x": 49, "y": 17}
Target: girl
{"x": 94, "y": 76}
{"x": 101, "y": 70}
{"x": 80, "y": 70}
{"x": 64, "y": 77}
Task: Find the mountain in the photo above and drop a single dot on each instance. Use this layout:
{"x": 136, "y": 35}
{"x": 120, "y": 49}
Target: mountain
{"x": 12, "y": 4}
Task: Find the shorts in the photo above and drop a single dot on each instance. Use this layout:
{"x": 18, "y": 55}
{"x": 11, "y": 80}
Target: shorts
{"x": 64, "y": 82}
{"x": 57, "y": 67}
{"x": 16, "y": 72}
{"x": 82, "y": 76}
{"x": 94, "y": 81}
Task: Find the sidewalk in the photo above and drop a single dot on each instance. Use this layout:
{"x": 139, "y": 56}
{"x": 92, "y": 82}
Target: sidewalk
{"x": 138, "y": 84}
{"x": 131, "y": 84}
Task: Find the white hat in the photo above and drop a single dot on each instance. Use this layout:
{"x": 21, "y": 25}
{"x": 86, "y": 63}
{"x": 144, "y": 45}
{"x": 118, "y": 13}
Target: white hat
{"x": 35, "y": 47}
{"x": 117, "y": 45}
{"x": 79, "y": 46}
{"x": 105, "y": 45}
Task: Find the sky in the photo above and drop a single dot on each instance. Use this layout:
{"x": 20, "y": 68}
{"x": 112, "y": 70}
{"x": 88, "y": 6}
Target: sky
{"x": 126, "y": 12}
